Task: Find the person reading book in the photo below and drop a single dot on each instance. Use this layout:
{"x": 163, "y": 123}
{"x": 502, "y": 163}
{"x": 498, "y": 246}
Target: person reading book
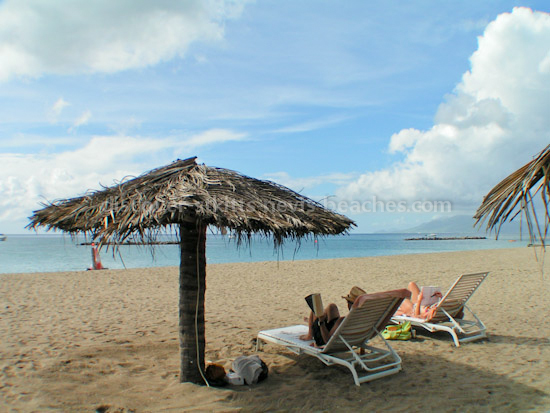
{"x": 323, "y": 323}
{"x": 422, "y": 304}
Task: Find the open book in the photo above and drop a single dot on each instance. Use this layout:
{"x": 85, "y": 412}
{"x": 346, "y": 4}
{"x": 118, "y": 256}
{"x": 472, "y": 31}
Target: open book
{"x": 315, "y": 303}
{"x": 430, "y": 296}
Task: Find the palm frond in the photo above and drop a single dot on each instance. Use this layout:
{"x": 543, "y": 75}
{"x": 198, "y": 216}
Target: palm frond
{"x": 515, "y": 194}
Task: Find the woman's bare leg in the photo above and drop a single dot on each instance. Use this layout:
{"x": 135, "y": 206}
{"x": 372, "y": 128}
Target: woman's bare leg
{"x": 309, "y": 335}
{"x": 332, "y": 312}
{"x": 413, "y": 288}
{"x": 406, "y": 308}
{"x": 418, "y": 307}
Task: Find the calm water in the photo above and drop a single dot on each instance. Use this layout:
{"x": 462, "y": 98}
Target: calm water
{"x": 46, "y": 253}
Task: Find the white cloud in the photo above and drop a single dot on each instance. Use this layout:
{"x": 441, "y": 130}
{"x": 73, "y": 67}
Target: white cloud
{"x": 472, "y": 25}
{"x": 83, "y": 119}
{"x": 313, "y": 125}
{"x": 56, "y": 109}
{"x": 299, "y": 184}
{"x": 58, "y": 106}
{"x": 105, "y": 154}
{"x": 34, "y": 141}
{"x": 494, "y": 122}
{"x": 27, "y": 179}
{"x": 124, "y": 126}
{"x": 67, "y": 37}
{"x": 213, "y": 136}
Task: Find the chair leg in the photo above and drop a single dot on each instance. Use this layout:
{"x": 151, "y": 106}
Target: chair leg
{"x": 258, "y": 344}
{"x": 455, "y": 338}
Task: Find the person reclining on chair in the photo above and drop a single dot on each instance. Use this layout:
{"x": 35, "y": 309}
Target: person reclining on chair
{"x": 412, "y": 307}
{"x": 322, "y": 328}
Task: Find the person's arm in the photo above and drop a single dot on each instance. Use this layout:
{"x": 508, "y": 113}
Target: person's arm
{"x": 430, "y": 313}
{"x": 418, "y": 306}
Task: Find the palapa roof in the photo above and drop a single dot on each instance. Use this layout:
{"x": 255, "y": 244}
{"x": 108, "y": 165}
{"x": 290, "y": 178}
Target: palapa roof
{"x": 515, "y": 194}
{"x": 185, "y": 191}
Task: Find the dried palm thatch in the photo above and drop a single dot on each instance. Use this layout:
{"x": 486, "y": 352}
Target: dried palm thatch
{"x": 515, "y": 194}
{"x": 191, "y": 197}
{"x": 186, "y": 192}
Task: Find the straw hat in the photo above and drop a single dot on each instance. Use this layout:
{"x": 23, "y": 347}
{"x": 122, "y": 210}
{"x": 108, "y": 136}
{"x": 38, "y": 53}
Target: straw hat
{"x": 354, "y": 293}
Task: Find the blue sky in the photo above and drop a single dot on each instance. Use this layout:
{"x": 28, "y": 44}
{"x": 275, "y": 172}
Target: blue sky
{"x": 354, "y": 102}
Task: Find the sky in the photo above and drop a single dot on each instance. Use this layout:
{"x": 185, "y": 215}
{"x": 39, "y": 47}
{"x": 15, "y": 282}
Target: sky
{"x": 392, "y": 113}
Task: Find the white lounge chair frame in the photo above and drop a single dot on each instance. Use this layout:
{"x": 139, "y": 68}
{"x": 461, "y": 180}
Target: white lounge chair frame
{"x": 452, "y": 303}
{"x": 348, "y": 345}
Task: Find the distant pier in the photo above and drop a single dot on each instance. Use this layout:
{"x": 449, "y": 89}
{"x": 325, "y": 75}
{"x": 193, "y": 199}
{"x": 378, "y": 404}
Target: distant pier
{"x": 436, "y": 238}
{"x": 136, "y": 243}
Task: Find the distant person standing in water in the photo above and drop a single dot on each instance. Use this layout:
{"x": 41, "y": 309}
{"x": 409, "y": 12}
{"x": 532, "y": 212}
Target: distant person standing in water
{"x": 96, "y": 261}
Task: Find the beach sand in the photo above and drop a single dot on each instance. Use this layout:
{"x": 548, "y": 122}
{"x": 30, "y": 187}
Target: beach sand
{"x": 108, "y": 340}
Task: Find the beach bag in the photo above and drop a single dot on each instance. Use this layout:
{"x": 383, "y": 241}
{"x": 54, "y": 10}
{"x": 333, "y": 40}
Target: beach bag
{"x": 251, "y": 368}
{"x": 398, "y": 332}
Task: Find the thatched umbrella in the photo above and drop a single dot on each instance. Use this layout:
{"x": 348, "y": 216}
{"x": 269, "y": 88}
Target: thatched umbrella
{"x": 190, "y": 197}
{"x": 514, "y": 195}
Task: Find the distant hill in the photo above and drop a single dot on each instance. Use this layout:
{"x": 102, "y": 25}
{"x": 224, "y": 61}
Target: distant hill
{"x": 463, "y": 224}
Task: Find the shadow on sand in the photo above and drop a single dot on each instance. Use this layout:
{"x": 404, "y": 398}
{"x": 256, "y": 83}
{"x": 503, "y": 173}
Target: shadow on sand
{"x": 427, "y": 383}
{"x": 444, "y": 337}
{"x": 126, "y": 377}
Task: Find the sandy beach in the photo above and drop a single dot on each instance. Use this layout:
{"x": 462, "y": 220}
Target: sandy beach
{"x": 108, "y": 340}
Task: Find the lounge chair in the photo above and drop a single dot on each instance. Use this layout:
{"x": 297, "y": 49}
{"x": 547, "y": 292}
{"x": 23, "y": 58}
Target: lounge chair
{"x": 450, "y": 310}
{"x": 348, "y": 345}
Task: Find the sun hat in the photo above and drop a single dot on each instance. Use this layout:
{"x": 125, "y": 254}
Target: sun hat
{"x": 354, "y": 293}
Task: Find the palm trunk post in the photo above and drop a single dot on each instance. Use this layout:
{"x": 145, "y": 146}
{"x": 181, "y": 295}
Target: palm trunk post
{"x": 192, "y": 287}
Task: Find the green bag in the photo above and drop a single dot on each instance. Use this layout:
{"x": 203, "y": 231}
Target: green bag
{"x": 398, "y": 331}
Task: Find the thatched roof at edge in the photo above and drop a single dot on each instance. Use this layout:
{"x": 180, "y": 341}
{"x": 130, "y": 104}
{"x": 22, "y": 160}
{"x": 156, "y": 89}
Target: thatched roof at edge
{"x": 515, "y": 194}
{"x": 184, "y": 191}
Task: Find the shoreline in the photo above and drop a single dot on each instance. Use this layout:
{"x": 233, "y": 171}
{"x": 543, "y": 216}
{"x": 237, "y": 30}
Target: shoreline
{"x": 58, "y": 253}
{"x": 530, "y": 248}
{"x": 76, "y": 341}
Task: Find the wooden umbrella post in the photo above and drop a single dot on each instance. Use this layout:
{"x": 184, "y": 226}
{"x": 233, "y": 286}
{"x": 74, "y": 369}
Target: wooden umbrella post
{"x": 192, "y": 280}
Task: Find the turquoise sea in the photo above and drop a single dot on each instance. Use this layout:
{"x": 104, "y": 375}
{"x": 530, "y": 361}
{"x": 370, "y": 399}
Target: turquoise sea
{"x": 49, "y": 253}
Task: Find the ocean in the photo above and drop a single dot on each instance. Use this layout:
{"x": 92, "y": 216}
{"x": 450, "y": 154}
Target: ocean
{"x": 55, "y": 252}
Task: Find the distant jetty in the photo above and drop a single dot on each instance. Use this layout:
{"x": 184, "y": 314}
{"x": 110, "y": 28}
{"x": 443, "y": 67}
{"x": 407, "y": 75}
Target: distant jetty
{"x": 436, "y": 238}
{"x": 136, "y": 243}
